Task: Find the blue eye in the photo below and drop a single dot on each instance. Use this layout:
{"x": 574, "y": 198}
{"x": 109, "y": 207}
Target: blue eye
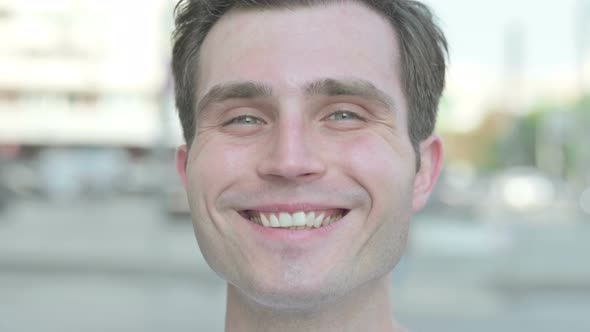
{"x": 344, "y": 115}
{"x": 245, "y": 120}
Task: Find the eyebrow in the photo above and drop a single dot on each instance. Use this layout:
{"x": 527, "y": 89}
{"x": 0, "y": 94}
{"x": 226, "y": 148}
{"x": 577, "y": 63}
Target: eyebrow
{"x": 234, "y": 90}
{"x": 324, "y": 87}
{"x": 350, "y": 87}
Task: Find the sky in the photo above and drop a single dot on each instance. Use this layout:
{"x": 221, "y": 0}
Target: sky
{"x": 477, "y": 29}
{"x": 478, "y": 71}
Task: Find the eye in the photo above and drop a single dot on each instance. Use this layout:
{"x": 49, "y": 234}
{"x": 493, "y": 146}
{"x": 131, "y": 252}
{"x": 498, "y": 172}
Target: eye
{"x": 245, "y": 120}
{"x": 344, "y": 115}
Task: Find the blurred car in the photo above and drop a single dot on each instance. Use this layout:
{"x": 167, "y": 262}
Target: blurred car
{"x": 3, "y": 189}
{"x": 523, "y": 189}
{"x": 527, "y": 194}
{"x": 585, "y": 201}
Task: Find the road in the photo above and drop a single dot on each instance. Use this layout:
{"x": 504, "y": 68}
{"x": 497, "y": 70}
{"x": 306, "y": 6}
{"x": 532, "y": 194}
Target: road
{"x": 123, "y": 264}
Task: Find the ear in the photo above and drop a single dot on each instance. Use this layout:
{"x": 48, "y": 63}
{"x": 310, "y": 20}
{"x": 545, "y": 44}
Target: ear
{"x": 430, "y": 165}
{"x": 181, "y": 158}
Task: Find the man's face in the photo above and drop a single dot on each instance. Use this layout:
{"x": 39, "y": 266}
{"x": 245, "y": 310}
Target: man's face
{"x": 302, "y": 117}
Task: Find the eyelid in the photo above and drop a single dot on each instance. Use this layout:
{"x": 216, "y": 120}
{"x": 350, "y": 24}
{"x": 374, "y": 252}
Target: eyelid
{"x": 354, "y": 109}
{"x": 243, "y": 116}
{"x": 354, "y": 115}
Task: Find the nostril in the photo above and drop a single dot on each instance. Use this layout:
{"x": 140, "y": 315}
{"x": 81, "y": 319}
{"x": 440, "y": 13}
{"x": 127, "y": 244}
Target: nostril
{"x": 301, "y": 171}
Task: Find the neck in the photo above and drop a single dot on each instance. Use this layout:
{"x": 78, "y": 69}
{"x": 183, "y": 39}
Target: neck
{"x": 367, "y": 309}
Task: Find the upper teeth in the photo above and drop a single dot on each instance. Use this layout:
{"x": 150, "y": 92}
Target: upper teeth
{"x": 298, "y": 219}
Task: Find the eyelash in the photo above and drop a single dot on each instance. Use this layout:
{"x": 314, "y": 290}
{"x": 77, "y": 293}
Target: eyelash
{"x": 352, "y": 116}
{"x": 237, "y": 120}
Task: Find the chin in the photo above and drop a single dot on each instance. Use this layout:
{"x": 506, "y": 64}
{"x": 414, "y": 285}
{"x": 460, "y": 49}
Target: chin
{"x": 294, "y": 299}
{"x": 293, "y": 293}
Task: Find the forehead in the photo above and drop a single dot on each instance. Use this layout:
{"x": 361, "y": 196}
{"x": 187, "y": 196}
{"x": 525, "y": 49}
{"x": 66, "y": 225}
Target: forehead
{"x": 286, "y": 48}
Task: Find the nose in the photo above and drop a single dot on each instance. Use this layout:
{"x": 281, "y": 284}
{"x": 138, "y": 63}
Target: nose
{"x": 292, "y": 154}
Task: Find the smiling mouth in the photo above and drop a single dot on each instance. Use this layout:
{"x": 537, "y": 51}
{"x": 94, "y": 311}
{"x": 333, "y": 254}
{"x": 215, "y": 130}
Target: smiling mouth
{"x": 300, "y": 220}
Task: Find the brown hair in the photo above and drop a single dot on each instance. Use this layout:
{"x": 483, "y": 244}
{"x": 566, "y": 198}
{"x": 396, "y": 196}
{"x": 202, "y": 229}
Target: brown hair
{"x": 422, "y": 59}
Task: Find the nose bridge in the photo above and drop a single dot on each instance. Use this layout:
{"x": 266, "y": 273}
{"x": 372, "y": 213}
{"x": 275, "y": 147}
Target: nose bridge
{"x": 290, "y": 139}
{"x": 292, "y": 153}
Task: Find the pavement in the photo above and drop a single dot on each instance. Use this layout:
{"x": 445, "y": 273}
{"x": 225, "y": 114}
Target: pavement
{"x": 123, "y": 264}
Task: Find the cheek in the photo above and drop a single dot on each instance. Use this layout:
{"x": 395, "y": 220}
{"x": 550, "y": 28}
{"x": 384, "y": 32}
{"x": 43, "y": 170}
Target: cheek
{"x": 385, "y": 170}
{"x": 375, "y": 159}
{"x": 215, "y": 166}
{"x": 212, "y": 168}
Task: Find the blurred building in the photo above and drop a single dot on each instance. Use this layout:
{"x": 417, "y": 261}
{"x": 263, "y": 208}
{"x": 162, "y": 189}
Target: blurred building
{"x": 85, "y": 95}
{"x": 82, "y": 72}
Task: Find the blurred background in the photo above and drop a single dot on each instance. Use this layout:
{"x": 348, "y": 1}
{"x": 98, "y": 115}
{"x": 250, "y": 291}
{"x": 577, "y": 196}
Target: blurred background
{"x": 94, "y": 229}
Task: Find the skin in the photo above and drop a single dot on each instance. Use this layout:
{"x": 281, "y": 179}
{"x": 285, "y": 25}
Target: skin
{"x": 293, "y": 148}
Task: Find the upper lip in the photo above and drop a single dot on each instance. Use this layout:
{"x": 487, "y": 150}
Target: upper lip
{"x": 293, "y": 207}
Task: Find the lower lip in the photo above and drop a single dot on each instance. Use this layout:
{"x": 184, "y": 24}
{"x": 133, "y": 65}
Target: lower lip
{"x": 284, "y": 234}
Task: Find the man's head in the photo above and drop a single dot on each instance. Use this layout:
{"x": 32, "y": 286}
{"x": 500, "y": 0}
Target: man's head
{"x": 304, "y": 121}
{"x": 421, "y": 58}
